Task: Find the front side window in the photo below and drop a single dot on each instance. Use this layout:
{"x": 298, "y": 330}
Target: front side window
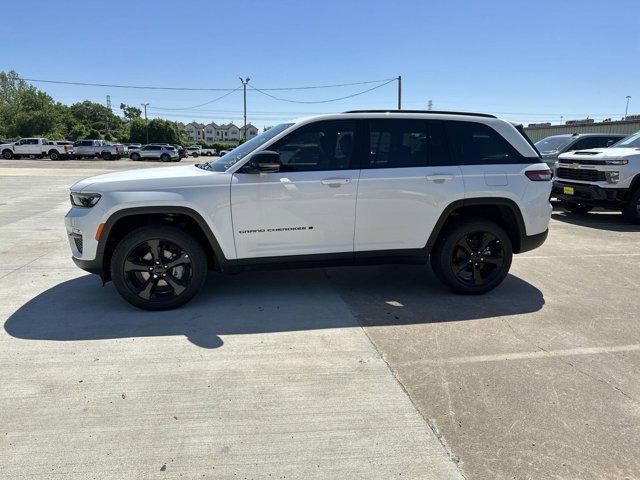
{"x": 476, "y": 144}
{"x": 325, "y": 145}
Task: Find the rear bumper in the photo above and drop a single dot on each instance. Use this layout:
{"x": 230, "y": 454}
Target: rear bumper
{"x": 530, "y": 242}
{"x": 592, "y": 195}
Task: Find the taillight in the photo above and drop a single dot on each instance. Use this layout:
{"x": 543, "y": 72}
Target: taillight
{"x": 538, "y": 175}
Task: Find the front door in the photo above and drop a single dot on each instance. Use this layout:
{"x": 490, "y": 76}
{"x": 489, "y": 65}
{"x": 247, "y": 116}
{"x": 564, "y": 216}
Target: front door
{"x": 405, "y": 184}
{"x": 306, "y": 208}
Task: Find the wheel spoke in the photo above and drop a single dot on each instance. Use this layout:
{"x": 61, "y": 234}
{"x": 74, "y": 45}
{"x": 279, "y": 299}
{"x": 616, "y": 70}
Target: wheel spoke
{"x": 154, "y": 247}
{"x": 147, "y": 288}
{"x": 178, "y": 288}
{"x": 493, "y": 259}
{"x": 460, "y": 266}
{"x": 135, "y": 266}
{"x": 181, "y": 260}
{"x": 477, "y": 278}
{"x": 485, "y": 240}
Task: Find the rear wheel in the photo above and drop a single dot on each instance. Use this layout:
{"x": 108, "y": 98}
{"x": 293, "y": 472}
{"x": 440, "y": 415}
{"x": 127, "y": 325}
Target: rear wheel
{"x": 579, "y": 208}
{"x": 632, "y": 210}
{"x": 165, "y": 158}
{"x": 472, "y": 257}
{"x": 53, "y": 155}
{"x": 135, "y": 156}
{"x": 158, "y": 267}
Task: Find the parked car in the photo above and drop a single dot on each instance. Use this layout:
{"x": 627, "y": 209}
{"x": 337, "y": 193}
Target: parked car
{"x": 133, "y": 146}
{"x": 224, "y": 152}
{"x": 26, "y": 147}
{"x": 208, "y": 152}
{"x": 462, "y": 191}
{"x": 194, "y": 150}
{"x": 98, "y": 148}
{"x": 60, "y": 150}
{"x": 182, "y": 152}
{"x": 601, "y": 177}
{"x": 165, "y": 153}
{"x": 551, "y": 147}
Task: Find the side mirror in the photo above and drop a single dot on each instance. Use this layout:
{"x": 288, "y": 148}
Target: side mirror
{"x": 266, "y": 161}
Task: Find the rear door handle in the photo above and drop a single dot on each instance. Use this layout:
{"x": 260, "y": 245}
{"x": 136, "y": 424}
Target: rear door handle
{"x": 335, "y": 182}
{"x": 439, "y": 177}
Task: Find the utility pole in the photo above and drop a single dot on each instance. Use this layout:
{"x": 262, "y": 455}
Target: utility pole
{"x": 109, "y": 107}
{"x": 146, "y": 123}
{"x": 626, "y": 110}
{"x": 399, "y": 92}
{"x": 244, "y": 85}
{"x": 430, "y": 105}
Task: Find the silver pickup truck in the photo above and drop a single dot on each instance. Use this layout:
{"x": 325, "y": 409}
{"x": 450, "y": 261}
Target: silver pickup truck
{"x": 98, "y": 148}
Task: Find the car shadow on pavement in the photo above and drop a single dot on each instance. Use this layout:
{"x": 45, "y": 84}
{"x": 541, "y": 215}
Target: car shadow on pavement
{"x": 266, "y": 302}
{"x": 612, "y": 221}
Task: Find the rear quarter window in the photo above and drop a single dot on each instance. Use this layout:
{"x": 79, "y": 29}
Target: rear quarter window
{"x": 474, "y": 143}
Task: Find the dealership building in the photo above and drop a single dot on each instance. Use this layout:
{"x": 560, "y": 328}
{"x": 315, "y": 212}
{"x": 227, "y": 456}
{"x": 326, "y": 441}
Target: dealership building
{"x": 538, "y": 131}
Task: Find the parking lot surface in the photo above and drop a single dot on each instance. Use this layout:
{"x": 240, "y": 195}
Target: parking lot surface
{"x": 375, "y": 372}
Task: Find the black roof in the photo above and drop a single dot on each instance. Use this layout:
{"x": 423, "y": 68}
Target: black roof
{"x": 435, "y": 112}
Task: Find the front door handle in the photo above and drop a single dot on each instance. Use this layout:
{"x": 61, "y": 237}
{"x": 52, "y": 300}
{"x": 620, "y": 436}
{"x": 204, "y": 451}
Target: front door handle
{"x": 439, "y": 177}
{"x": 335, "y": 182}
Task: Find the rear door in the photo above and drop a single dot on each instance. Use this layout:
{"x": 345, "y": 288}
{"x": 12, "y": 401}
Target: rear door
{"x": 308, "y": 207}
{"x": 406, "y": 182}
{"x": 490, "y": 165}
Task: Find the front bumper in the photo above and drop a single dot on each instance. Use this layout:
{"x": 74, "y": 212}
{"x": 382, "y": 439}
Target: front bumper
{"x": 593, "y": 195}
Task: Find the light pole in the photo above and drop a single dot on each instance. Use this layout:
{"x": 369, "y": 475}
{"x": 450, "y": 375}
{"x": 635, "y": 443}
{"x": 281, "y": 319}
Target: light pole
{"x": 244, "y": 86}
{"x": 146, "y": 123}
{"x": 626, "y": 110}
{"x": 399, "y": 92}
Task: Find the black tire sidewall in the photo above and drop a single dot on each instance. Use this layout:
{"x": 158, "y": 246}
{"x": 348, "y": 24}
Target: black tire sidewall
{"x": 135, "y": 157}
{"x": 172, "y": 234}
{"x": 165, "y": 158}
{"x": 630, "y": 211}
{"x": 442, "y": 255}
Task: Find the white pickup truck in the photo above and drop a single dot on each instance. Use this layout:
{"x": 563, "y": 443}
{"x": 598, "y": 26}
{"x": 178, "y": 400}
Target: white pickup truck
{"x": 35, "y": 147}
{"x": 98, "y": 148}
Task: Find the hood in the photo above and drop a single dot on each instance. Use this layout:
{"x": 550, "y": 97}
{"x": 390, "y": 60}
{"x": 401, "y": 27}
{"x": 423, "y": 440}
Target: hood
{"x": 148, "y": 179}
{"x": 601, "y": 154}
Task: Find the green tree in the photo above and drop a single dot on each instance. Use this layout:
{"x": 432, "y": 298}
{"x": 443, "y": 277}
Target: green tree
{"x": 78, "y": 132}
{"x": 130, "y": 112}
{"x": 160, "y": 131}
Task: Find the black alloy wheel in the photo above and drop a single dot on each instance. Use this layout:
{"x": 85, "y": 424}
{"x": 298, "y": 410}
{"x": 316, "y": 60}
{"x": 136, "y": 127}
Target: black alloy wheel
{"x": 158, "y": 267}
{"x": 473, "y": 256}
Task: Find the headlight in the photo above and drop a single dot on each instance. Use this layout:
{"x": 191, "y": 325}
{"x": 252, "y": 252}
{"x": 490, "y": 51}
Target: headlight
{"x": 616, "y": 162}
{"x": 85, "y": 200}
{"x": 612, "y": 177}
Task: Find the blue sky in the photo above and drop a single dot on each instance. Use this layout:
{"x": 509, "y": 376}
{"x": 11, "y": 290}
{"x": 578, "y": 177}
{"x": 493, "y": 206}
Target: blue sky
{"x": 525, "y": 61}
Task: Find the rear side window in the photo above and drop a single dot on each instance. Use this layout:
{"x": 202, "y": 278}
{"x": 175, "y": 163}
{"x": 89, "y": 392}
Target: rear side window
{"x": 406, "y": 143}
{"x": 476, "y": 144}
{"x": 328, "y": 145}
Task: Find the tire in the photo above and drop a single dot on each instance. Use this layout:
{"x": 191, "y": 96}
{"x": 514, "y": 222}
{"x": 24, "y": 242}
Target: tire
{"x": 7, "y": 154}
{"x": 54, "y": 155}
{"x": 141, "y": 250}
{"x": 631, "y": 211}
{"x": 195, "y": 155}
{"x": 165, "y": 158}
{"x": 135, "y": 156}
{"x": 106, "y": 156}
{"x": 577, "y": 208}
{"x": 460, "y": 262}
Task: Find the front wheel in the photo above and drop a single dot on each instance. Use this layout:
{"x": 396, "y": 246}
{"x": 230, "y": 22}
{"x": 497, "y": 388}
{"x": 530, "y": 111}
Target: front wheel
{"x": 631, "y": 211}
{"x": 158, "y": 267}
{"x": 578, "y": 208}
{"x": 106, "y": 156}
{"x": 7, "y": 154}
{"x": 472, "y": 257}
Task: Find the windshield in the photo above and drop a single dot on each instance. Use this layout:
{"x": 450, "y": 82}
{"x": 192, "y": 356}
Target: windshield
{"x": 233, "y": 156}
{"x": 552, "y": 144}
{"x": 632, "y": 141}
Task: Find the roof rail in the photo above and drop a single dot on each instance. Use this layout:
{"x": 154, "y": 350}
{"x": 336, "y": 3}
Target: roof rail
{"x": 438, "y": 112}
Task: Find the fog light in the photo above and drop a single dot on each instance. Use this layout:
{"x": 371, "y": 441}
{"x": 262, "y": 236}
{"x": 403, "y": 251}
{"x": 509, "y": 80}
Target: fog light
{"x": 612, "y": 177}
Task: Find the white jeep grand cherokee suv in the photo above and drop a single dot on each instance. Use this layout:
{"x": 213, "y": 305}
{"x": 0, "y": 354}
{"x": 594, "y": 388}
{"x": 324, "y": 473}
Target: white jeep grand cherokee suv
{"x": 601, "y": 177}
{"x": 464, "y": 191}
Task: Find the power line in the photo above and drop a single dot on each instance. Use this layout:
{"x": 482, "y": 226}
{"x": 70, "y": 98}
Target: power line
{"x": 197, "y": 106}
{"x": 150, "y": 87}
{"x": 263, "y": 91}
